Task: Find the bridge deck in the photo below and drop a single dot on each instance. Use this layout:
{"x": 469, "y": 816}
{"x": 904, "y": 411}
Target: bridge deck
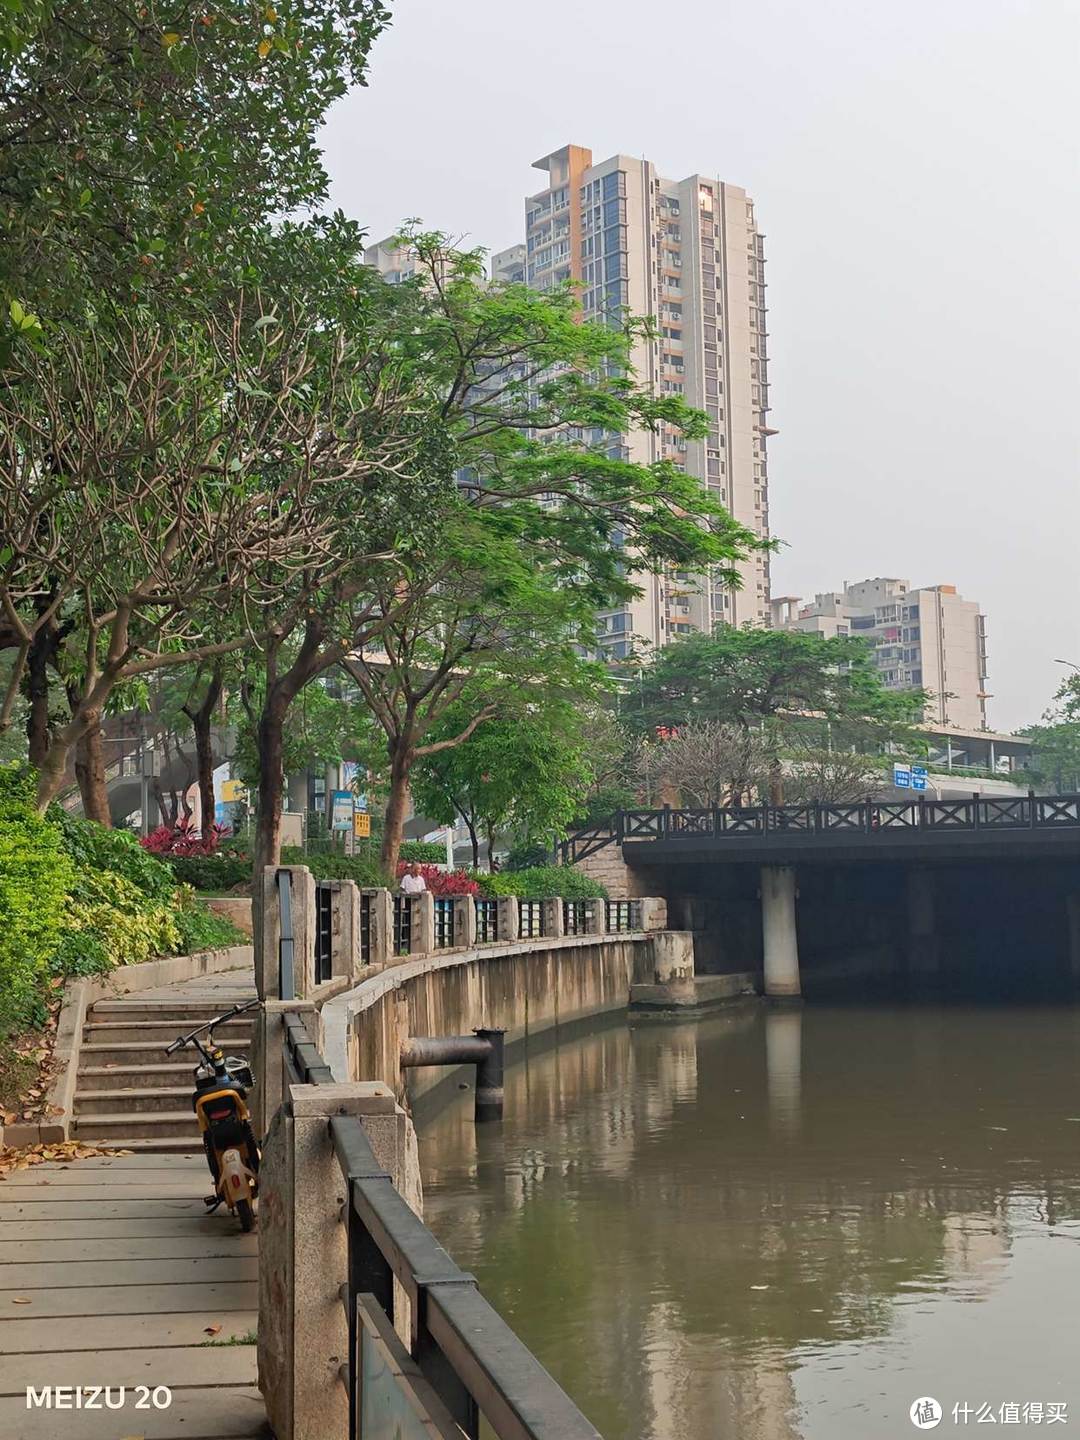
{"x": 112, "y": 1273}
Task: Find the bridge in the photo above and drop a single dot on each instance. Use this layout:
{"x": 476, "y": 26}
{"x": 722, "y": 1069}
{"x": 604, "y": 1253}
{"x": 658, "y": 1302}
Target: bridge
{"x": 911, "y": 876}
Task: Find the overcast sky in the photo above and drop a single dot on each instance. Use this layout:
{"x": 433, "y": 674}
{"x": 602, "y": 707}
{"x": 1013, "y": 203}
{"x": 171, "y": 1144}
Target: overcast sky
{"x": 915, "y": 170}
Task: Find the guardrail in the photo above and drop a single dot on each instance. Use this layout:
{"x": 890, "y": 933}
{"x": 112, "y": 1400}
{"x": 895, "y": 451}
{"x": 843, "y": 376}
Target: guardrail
{"x": 468, "y": 1354}
{"x": 866, "y": 817}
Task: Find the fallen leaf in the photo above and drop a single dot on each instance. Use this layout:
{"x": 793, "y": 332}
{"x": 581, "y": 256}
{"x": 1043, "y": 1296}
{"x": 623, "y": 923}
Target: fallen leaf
{"x": 21, "y": 1300}
{"x": 212, "y": 1330}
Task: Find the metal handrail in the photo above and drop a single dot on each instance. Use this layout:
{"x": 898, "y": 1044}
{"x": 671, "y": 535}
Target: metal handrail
{"x": 469, "y": 1355}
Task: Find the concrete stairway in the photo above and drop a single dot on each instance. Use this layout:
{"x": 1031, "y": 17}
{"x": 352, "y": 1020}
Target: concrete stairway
{"x": 128, "y": 1092}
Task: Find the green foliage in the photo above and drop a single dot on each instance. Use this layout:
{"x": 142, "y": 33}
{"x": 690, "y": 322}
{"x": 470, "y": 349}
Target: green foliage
{"x": 93, "y": 847}
{"x": 525, "y": 770}
{"x": 543, "y": 882}
{"x": 747, "y": 676}
{"x": 210, "y": 872}
{"x": 113, "y": 915}
{"x": 365, "y": 870}
{"x": 35, "y": 879}
{"x": 527, "y": 856}
{"x": 424, "y": 852}
{"x": 1055, "y": 744}
{"x": 600, "y": 805}
{"x": 77, "y": 899}
{"x": 200, "y": 929}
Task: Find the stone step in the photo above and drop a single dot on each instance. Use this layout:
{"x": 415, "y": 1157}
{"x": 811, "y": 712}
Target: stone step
{"x": 134, "y": 1077}
{"x": 115, "y": 1029}
{"x": 161, "y": 1144}
{"x": 118, "y": 1127}
{"x": 127, "y": 1052}
{"x": 134, "y": 1101}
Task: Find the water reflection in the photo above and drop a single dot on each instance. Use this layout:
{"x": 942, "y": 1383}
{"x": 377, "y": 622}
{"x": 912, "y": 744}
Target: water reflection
{"x": 781, "y": 1223}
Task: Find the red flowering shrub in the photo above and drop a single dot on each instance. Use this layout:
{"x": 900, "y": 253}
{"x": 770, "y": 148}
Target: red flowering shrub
{"x": 183, "y": 840}
{"x": 443, "y": 882}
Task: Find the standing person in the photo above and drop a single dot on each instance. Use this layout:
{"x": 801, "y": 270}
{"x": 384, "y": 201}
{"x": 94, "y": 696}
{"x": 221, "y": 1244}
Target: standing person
{"x": 413, "y": 882}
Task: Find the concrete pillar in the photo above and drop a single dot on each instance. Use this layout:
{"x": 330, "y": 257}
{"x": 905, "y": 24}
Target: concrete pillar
{"x": 508, "y": 918}
{"x": 780, "y": 936}
{"x": 923, "y": 948}
{"x": 783, "y": 1063}
{"x": 268, "y": 930}
{"x": 268, "y": 1058}
{"x": 1072, "y": 903}
{"x": 662, "y": 973}
{"x": 423, "y": 924}
{"x": 380, "y": 926}
{"x": 552, "y": 912}
{"x": 345, "y": 954}
{"x": 465, "y": 922}
{"x": 303, "y": 1331}
{"x": 654, "y": 913}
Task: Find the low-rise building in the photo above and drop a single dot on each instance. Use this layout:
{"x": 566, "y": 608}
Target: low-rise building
{"x": 928, "y": 637}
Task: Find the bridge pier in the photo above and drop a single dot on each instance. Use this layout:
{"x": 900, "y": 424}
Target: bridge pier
{"x": 779, "y": 933}
{"x": 924, "y": 958}
{"x": 1072, "y": 903}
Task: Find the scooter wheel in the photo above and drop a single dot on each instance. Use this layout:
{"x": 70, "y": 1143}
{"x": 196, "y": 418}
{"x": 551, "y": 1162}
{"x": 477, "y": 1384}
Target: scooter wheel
{"x": 246, "y": 1215}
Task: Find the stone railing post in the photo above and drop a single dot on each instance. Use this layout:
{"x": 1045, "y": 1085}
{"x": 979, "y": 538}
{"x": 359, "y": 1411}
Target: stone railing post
{"x": 552, "y": 912}
{"x": 595, "y": 917}
{"x": 267, "y": 954}
{"x": 303, "y": 1261}
{"x": 653, "y": 912}
{"x": 380, "y": 927}
{"x": 508, "y": 918}
{"x": 268, "y": 1058}
{"x": 423, "y": 924}
{"x": 345, "y": 955}
{"x": 464, "y": 922}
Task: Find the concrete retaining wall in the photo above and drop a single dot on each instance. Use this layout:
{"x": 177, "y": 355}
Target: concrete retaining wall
{"x": 524, "y": 989}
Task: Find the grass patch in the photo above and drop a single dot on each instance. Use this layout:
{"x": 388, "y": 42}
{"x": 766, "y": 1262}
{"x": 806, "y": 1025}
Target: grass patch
{"x": 248, "y": 1339}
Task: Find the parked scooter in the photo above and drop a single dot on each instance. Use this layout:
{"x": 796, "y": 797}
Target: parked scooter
{"x": 220, "y": 1104}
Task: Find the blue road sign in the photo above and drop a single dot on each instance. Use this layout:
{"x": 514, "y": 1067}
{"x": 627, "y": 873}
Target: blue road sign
{"x": 901, "y": 775}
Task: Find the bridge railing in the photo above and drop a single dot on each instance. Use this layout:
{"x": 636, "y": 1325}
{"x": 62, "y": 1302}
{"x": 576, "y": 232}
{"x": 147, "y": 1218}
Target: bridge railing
{"x": 865, "y": 817}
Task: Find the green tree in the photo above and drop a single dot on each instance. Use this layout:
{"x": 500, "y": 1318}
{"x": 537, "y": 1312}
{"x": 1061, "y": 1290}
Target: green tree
{"x": 549, "y": 521}
{"x": 780, "y": 682}
{"x": 526, "y": 770}
{"x": 1055, "y": 743}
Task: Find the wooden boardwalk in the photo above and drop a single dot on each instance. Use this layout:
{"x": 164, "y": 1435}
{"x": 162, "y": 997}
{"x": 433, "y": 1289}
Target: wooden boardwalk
{"x": 112, "y": 1274}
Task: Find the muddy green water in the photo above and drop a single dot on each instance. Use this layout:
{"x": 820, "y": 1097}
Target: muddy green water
{"x": 785, "y": 1225}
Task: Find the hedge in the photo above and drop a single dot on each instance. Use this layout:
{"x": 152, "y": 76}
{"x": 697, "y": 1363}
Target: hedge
{"x": 79, "y": 899}
{"x": 423, "y": 852}
{"x": 210, "y": 872}
{"x": 35, "y": 878}
{"x": 543, "y": 882}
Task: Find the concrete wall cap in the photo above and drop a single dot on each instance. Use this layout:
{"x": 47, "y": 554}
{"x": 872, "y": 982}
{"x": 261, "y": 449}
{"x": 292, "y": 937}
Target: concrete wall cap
{"x": 361, "y": 1097}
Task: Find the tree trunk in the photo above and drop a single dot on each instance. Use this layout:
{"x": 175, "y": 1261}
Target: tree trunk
{"x": 163, "y": 811}
{"x": 51, "y": 774}
{"x": 204, "y": 753}
{"x": 401, "y": 756}
{"x": 37, "y": 689}
{"x": 474, "y": 838}
{"x": 271, "y": 740}
{"x": 90, "y": 774}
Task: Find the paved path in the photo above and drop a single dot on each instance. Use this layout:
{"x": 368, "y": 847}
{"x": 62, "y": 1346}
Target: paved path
{"x": 112, "y": 1274}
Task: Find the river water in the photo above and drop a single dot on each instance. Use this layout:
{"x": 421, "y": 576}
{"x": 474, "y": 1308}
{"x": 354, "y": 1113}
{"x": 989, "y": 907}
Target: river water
{"x": 785, "y": 1224}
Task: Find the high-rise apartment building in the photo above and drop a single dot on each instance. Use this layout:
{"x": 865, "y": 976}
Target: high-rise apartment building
{"x": 689, "y": 253}
{"x": 930, "y": 637}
